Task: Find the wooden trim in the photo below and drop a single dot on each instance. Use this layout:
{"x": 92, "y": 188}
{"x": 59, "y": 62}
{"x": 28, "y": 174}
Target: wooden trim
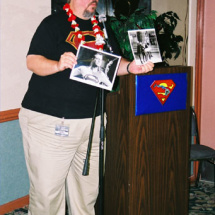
{"x": 199, "y": 66}
{"x": 18, "y": 203}
{"x": 199, "y": 59}
{"x": 9, "y": 115}
{"x": 192, "y": 179}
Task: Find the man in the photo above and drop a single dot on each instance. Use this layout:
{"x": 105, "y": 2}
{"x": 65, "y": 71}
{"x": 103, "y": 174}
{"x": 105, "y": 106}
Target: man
{"x": 56, "y": 114}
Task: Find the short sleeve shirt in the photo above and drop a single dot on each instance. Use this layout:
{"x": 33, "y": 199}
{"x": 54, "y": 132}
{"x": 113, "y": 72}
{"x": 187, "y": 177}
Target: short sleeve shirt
{"x": 57, "y": 94}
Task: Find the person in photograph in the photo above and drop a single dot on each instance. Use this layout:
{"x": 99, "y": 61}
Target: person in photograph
{"x": 56, "y": 112}
{"x": 147, "y": 45}
{"x": 97, "y": 72}
{"x": 143, "y": 50}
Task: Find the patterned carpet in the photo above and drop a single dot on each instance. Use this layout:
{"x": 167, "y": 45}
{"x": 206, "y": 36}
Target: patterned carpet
{"x": 201, "y": 201}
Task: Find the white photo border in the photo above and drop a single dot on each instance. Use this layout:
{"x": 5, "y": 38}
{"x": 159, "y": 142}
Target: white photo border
{"x": 144, "y": 46}
{"x": 84, "y": 71}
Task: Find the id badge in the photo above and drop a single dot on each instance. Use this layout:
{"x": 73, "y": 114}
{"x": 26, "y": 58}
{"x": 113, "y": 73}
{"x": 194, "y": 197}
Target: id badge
{"x": 62, "y": 130}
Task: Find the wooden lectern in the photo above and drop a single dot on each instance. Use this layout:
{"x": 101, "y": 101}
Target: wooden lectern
{"x": 147, "y": 156}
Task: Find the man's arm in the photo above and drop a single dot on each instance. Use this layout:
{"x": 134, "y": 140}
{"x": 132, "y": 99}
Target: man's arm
{"x": 42, "y": 66}
{"x": 126, "y": 66}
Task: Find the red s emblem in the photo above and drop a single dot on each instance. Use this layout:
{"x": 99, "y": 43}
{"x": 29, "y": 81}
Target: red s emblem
{"x": 72, "y": 39}
{"x": 162, "y": 89}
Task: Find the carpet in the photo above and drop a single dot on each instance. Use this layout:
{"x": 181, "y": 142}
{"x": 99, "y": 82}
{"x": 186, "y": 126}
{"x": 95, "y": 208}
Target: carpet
{"x": 201, "y": 201}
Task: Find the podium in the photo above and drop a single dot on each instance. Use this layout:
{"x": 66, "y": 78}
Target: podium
{"x": 147, "y": 156}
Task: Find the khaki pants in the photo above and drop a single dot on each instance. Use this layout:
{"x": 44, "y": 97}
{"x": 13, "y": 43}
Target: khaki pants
{"x": 55, "y": 164}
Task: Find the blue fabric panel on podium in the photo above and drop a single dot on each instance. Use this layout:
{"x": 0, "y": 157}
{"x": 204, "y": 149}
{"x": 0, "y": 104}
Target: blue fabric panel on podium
{"x": 160, "y": 93}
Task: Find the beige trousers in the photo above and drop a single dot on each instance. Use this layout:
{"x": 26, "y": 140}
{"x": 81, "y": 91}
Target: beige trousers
{"x": 55, "y": 164}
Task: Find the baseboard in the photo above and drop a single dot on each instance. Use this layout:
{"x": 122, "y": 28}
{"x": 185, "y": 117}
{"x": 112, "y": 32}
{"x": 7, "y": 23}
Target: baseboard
{"x": 192, "y": 179}
{"x": 9, "y": 115}
{"x": 18, "y": 203}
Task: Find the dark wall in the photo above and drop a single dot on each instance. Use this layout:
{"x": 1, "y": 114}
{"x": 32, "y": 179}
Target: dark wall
{"x": 124, "y": 7}
{"x": 57, "y": 5}
{"x": 127, "y": 7}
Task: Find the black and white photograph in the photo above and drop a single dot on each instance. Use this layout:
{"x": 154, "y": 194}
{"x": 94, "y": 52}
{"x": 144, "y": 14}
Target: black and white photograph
{"x": 144, "y": 46}
{"x": 94, "y": 67}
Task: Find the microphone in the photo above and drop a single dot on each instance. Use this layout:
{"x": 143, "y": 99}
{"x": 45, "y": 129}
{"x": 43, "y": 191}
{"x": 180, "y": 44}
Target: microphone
{"x": 102, "y": 19}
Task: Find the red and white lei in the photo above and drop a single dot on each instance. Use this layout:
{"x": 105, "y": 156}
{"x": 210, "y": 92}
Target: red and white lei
{"x": 99, "y": 34}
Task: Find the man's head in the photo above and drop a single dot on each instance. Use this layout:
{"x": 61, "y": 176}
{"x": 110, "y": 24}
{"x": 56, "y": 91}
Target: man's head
{"x": 98, "y": 59}
{"x": 84, "y": 9}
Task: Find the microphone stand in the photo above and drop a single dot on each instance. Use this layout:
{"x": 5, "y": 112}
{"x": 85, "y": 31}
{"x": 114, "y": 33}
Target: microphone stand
{"x": 102, "y": 138}
{"x": 101, "y": 156}
{"x": 101, "y": 150}
{"x": 87, "y": 160}
{"x": 102, "y": 130}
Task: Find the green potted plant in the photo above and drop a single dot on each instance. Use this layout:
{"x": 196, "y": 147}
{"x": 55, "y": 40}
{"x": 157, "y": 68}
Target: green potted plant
{"x": 164, "y": 25}
{"x": 169, "y": 43}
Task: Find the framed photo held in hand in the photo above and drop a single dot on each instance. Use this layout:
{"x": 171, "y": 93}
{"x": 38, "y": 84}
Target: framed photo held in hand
{"x": 94, "y": 67}
{"x": 144, "y": 46}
